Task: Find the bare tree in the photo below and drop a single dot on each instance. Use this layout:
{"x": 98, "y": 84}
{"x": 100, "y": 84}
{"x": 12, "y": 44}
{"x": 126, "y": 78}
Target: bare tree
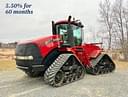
{"x": 106, "y": 18}
{"x": 125, "y": 14}
{"x": 120, "y": 20}
{"x": 114, "y": 16}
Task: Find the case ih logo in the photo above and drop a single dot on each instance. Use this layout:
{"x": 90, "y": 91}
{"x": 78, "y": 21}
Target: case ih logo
{"x": 51, "y": 40}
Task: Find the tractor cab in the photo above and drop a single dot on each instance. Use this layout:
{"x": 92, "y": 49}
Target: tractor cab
{"x": 70, "y": 31}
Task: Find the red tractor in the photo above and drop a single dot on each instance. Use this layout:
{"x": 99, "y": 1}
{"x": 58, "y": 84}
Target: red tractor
{"x": 63, "y": 57}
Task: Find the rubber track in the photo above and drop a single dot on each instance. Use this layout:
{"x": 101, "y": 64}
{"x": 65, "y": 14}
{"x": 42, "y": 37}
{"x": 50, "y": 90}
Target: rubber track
{"x": 96, "y": 64}
{"x": 50, "y": 73}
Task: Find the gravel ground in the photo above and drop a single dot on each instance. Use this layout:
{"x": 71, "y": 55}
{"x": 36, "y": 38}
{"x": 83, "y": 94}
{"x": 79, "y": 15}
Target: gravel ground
{"x": 17, "y": 84}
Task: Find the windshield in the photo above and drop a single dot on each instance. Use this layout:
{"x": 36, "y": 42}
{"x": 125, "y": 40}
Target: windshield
{"x": 71, "y": 34}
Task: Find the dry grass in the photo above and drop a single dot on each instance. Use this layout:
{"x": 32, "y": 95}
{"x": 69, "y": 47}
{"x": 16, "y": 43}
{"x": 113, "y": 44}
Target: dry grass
{"x": 6, "y": 62}
{"x": 7, "y": 65}
{"x": 122, "y": 65}
{"x": 6, "y": 53}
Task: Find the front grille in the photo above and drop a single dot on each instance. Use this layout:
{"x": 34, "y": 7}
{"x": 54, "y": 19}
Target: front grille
{"x": 28, "y": 50}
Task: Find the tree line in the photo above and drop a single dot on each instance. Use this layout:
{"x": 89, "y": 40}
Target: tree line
{"x": 8, "y": 45}
{"x": 114, "y": 21}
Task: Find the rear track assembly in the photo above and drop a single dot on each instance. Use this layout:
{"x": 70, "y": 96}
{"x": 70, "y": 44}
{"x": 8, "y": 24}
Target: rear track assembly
{"x": 101, "y": 65}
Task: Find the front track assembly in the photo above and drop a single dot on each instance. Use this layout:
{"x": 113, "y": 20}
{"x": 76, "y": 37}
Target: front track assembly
{"x": 65, "y": 69}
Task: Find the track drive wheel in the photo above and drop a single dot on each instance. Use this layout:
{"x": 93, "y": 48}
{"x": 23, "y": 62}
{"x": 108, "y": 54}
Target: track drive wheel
{"x": 59, "y": 78}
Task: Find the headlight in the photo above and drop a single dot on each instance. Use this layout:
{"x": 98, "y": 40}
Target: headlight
{"x": 30, "y": 57}
{"x": 24, "y": 57}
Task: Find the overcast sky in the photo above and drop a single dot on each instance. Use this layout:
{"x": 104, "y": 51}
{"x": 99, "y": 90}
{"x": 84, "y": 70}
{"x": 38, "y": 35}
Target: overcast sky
{"x": 22, "y": 27}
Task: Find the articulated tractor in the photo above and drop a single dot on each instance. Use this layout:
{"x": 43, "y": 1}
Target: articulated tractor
{"x": 62, "y": 58}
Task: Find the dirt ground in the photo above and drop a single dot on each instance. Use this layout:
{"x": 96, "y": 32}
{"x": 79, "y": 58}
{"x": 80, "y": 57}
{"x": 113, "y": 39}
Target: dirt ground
{"x": 7, "y": 65}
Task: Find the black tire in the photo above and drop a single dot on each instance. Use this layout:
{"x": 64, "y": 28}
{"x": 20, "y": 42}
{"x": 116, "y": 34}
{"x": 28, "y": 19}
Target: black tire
{"x": 32, "y": 74}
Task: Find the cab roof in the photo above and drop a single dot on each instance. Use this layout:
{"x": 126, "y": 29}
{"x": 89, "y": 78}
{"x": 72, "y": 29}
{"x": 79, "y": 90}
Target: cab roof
{"x": 77, "y": 23}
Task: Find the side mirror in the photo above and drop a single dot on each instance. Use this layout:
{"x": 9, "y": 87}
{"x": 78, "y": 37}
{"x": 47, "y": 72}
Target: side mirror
{"x": 81, "y": 25}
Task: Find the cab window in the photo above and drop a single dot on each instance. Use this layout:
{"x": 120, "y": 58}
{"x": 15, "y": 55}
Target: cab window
{"x": 71, "y": 34}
